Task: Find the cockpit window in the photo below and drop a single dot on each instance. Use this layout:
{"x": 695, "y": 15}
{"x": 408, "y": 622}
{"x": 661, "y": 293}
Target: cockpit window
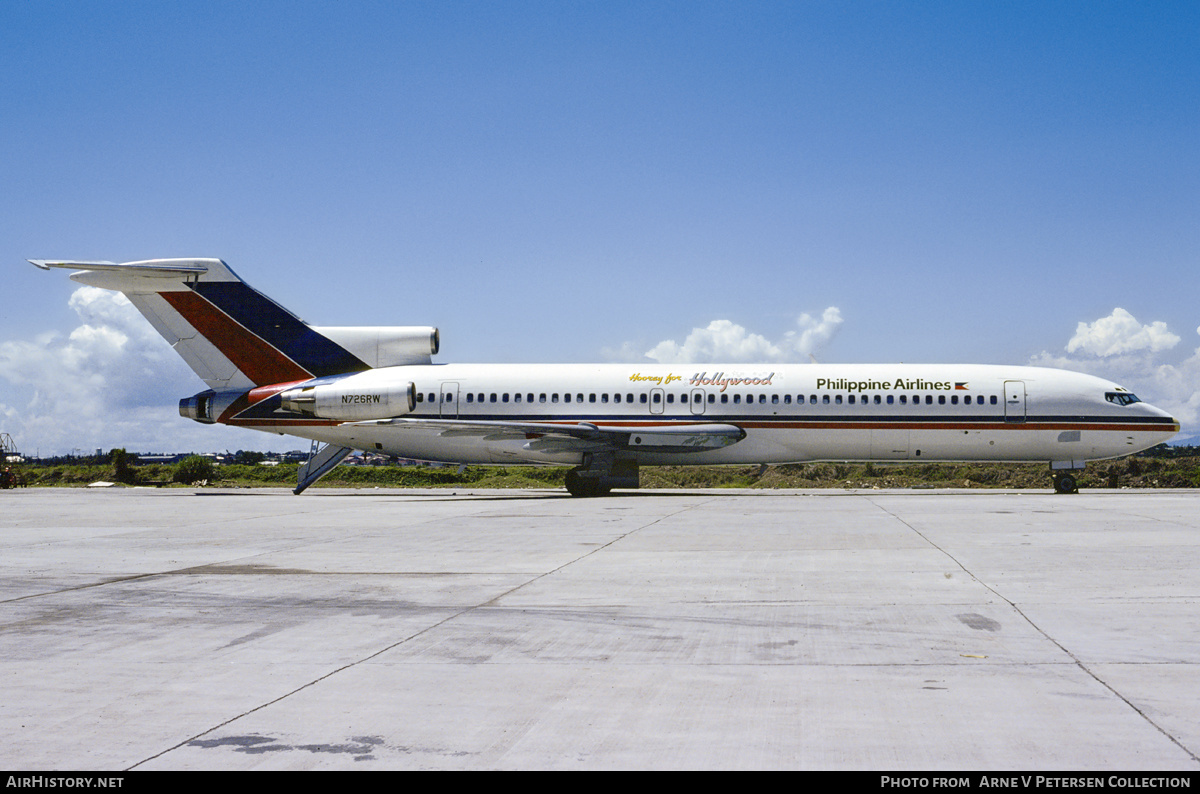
{"x": 1121, "y": 397}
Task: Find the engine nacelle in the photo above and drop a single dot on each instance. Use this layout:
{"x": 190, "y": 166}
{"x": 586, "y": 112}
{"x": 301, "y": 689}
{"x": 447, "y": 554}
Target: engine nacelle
{"x": 386, "y": 346}
{"x": 349, "y": 402}
{"x": 198, "y": 407}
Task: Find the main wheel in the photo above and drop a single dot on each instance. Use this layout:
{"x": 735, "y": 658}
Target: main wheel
{"x": 584, "y": 486}
{"x": 1066, "y": 483}
{"x": 576, "y": 485}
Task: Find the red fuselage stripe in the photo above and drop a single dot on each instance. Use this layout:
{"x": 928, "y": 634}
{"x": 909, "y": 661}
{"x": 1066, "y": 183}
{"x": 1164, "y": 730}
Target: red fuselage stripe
{"x": 1164, "y": 427}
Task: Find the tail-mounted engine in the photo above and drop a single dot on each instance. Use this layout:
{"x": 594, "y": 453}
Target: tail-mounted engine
{"x": 345, "y": 401}
{"x": 198, "y": 407}
{"x": 386, "y": 346}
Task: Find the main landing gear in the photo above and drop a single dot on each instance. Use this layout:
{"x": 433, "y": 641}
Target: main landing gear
{"x": 1065, "y": 482}
{"x": 579, "y": 485}
{"x": 600, "y": 474}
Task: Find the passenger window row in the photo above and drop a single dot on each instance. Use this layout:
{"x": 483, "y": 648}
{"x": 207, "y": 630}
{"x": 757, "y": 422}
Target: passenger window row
{"x": 530, "y": 397}
{"x": 736, "y": 399}
{"x": 865, "y": 399}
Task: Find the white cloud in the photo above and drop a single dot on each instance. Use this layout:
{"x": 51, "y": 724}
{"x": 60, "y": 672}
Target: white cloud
{"x": 1120, "y": 333}
{"x": 728, "y": 342}
{"x": 114, "y": 352}
{"x": 1120, "y": 349}
{"x": 721, "y": 340}
{"x": 814, "y": 334}
{"x": 111, "y": 382}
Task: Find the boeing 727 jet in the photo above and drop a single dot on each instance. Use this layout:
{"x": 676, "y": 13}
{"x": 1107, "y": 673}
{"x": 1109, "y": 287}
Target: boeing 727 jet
{"x": 377, "y": 389}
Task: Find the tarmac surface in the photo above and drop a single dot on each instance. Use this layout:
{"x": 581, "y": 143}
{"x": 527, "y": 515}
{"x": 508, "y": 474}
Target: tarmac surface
{"x": 398, "y": 629}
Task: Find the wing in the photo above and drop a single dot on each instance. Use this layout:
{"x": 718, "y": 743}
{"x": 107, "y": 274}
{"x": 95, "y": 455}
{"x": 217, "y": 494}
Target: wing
{"x": 577, "y": 436}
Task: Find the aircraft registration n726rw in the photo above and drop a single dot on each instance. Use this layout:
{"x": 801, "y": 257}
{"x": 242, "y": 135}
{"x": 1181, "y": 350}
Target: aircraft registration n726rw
{"x": 377, "y": 389}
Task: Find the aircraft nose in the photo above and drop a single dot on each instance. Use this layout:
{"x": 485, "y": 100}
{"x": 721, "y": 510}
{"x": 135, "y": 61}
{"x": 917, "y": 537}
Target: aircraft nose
{"x": 1159, "y": 413}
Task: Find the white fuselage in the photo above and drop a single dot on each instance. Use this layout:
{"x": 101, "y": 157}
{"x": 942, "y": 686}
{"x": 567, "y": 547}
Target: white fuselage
{"x": 789, "y": 412}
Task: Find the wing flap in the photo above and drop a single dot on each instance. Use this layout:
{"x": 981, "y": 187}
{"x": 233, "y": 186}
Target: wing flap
{"x": 687, "y": 438}
{"x": 544, "y": 436}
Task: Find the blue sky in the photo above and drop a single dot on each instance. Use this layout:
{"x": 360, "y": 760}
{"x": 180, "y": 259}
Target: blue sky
{"x": 962, "y": 182}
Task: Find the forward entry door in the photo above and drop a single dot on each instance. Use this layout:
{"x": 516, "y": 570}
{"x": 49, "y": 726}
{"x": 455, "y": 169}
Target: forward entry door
{"x": 1014, "y": 401}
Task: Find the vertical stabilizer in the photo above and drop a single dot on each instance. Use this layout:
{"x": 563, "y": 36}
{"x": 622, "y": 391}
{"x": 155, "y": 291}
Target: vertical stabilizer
{"x": 229, "y": 333}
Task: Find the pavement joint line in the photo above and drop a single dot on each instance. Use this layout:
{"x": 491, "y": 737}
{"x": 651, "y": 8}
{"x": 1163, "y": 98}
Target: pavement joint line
{"x": 1074, "y": 659}
{"x": 89, "y": 585}
{"x": 412, "y": 636}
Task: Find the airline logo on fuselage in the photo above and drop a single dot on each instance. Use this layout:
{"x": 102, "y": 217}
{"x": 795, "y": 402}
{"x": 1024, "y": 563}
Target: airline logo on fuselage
{"x": 900, "y": 384}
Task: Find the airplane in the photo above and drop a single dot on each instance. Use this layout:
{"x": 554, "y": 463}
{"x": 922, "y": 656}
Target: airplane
{"x": 377, "y": 389}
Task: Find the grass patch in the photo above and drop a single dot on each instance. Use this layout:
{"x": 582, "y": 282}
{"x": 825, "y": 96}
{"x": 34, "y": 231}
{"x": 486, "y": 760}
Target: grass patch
{"x": 1181, "y": 472}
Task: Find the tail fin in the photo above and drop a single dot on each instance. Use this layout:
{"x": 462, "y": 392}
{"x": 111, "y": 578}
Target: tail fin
{"x": 230, "y": 334}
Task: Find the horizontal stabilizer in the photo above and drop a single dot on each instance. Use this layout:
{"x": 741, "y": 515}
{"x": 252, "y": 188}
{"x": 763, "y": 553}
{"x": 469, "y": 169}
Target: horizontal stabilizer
{"x": 159, "y": 268}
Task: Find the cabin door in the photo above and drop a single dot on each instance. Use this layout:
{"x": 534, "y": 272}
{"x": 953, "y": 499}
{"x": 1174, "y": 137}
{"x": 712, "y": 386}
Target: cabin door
{"x": 656, "y": 401}
{"x": 1014, "y": 401}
